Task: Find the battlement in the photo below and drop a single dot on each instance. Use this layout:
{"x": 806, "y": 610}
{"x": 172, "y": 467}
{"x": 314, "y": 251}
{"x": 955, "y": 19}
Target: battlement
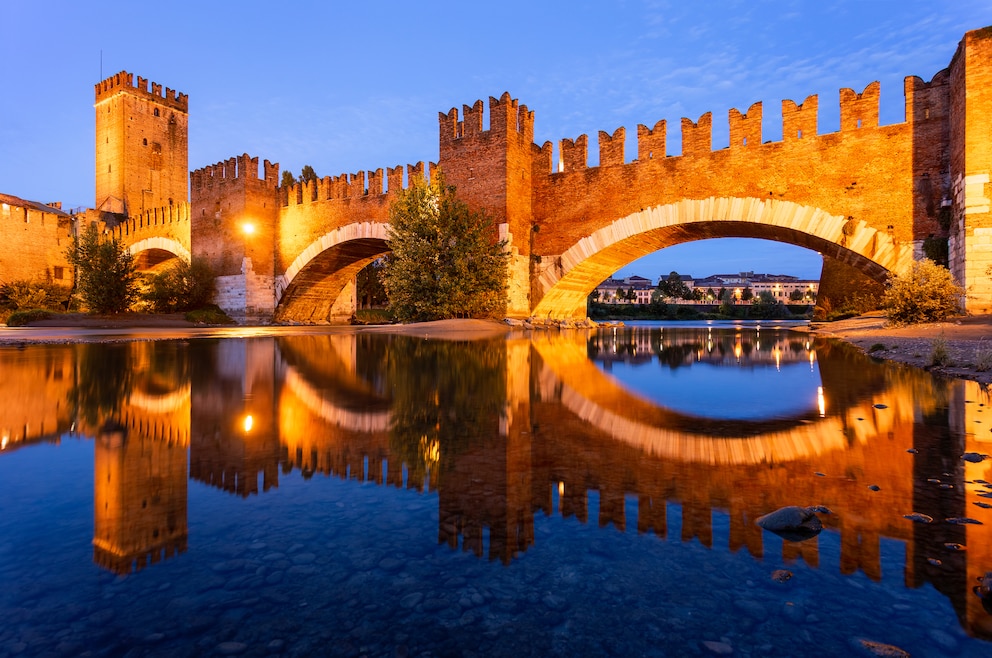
{"x": 239, "y": 168}
{"x": 123, "y": 82}
{"x": 353, "y": 186}
{"x": 924, "y": 100}
{"x": 506, "y": 116}
{"x": 156, "y": 217}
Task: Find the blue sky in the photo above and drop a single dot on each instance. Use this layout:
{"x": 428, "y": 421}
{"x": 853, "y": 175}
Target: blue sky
{"x": 350, "y": 86}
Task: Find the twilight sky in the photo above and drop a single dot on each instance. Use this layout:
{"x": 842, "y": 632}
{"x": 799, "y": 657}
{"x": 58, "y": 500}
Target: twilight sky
{"x": 350, "y": 86}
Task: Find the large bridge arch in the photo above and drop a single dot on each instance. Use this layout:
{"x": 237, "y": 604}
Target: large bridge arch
{"x": 150, "y": 253}
{"x": 312, "y": 284}
{"x": 561, "y": 290}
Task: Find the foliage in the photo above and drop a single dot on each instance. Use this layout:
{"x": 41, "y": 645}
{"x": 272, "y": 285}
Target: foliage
{"x": 446, "y": 260}
{"x": 747, "y": 294}
{"x": 939, "y": 354}
{"x": 926, "y": 294}
{"x": 370, "y": 285}
{"x": 373, "y": 316}
{"x": 936, "y": 249}
{"x": 306, "y": 175}
{"x": 22, "y": 295}
{"x": 24, "y": 318}
{"x": 210, "y": 314}
{"x": 674, "y": 287}
{"x": 876, "y": 347}
{"x": 796, "y": 296}
{"x": 983, "y": 357}
{"x": 182, "y": 287}
{"x": 106, "y": 275}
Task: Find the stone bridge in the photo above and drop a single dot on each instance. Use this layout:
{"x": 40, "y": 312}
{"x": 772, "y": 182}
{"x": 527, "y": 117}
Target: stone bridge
{"x": 866, "y": 197}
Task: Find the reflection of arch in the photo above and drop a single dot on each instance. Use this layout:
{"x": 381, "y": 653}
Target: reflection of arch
{"x": 166, "y": 403}
{"x": 594, "y": 258}
{"x": 315, "y": 278}
{"x": 600, "y": 401}
{"x": 156, "y": 251}
{"x": 356, "y": 421}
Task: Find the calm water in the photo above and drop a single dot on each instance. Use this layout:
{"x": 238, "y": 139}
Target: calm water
{"x": 568, "y": 494}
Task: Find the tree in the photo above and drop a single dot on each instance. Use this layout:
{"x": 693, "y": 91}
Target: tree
{"x": 288, "y": 179}
{"x": 446, "y": 259}
{"x": 185, "y": 286}
{"x": 105, "y": 273}
{"x": 307, "y": 174}
{"x": 370, "y": 286}
{"x": 748, "y": 294}
{"x": 796, "y": 295}
{"x": 927, "y": 293}
{"x": 673, "y": 287}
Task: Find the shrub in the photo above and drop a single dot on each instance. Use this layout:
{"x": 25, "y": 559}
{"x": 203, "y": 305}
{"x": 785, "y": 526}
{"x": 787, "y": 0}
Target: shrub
{"x": 208, "y": 315}
{"x": 926, "y": 294}
{"x": 939, "y": 355}
{"x": 24, "y": 318}
{"x": 983, "y": 357}
{"x": 23, "y": 295}
{"x": 182, "y": 287}
{"x": 877, "y": 347}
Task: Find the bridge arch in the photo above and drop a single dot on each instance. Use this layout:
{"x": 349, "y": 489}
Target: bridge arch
{"x": 561, "y": 289}
{"x": 150, "y": 253}
{"x": 313, "y": 282}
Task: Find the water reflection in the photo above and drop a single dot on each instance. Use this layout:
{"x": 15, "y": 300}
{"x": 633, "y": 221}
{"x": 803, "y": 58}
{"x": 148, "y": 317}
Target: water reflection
{"x": 503, "y": 430}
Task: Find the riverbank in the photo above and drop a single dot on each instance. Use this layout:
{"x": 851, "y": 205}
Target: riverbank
{"x": 968, "y": 342}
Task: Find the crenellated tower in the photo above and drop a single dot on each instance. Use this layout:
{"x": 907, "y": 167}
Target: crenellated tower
{"x": 233, "y": 216}
{"x": 492, "y": 170}
{"x": 142, "y": 148}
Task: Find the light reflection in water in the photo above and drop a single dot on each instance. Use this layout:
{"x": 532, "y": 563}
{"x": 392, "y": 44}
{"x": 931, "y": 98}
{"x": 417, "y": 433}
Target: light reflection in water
{"x": 503, "y": 431}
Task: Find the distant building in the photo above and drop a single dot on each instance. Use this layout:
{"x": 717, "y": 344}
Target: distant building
{"x": 780, "y": 286}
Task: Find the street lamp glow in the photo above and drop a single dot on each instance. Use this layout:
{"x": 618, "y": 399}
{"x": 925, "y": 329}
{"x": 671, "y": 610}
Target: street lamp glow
{"x": 248, "y": 228}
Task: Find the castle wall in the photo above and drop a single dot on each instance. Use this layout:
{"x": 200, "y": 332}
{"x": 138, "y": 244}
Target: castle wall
{"x": 35, "y": 239}
{"x": 971, "y": 168}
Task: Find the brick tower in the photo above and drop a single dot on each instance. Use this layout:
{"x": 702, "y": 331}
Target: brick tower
{"x": 492, "y": 170}
{"x": 141, "y": 146}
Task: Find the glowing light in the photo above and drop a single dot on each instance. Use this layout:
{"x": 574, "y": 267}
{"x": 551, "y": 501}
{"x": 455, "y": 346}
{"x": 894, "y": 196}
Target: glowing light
{"x": 4, "y": 442}
{"x": 561, "y": 488}
{"x": 248, "y": 228}
{"x": 821, "y": 402}
{"x": 249, "y": 422}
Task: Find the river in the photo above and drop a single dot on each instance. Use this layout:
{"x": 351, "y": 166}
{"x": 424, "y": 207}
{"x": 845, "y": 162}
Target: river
{"x": 311, "y": 492}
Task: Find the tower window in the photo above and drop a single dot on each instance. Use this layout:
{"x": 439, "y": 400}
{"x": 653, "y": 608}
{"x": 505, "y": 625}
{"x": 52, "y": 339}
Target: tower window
{"x": 144, "y": 142}
{"x": 156, "y": 111}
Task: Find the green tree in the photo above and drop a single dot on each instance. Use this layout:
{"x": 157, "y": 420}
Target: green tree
{"x": 185, "y": 286}
{"x": 927, "y": 293}
{"x": 288, "y": 179}
{"x": 307, "y": 174}
{"x": 446, "y": 259}
{"x": 747, "y": 294}
{"x": 796, "y": 296}
{"x": 106, "y": 277}
{"x": 673, "y": 287}
{"x": 370, "y": 285}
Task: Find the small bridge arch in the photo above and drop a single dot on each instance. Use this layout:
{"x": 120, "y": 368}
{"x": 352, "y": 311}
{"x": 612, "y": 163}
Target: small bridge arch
{"x": 562, "y": 288}
{"x": 310, "y": 288}
{"x": 151, "y": 253}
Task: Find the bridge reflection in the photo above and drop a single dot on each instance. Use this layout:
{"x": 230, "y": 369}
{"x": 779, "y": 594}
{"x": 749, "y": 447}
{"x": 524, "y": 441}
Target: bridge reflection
{"x": 503, "y": 430}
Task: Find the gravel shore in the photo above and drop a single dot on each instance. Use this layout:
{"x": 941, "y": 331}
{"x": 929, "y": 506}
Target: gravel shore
{"x": 968, "y": 341}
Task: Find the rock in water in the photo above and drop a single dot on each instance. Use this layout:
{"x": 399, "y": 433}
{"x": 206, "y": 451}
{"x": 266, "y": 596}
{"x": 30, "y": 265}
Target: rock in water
{"x": 916, "y": 517}
{"x": 879, "y": 649}
{"x": 792, "y": 523}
